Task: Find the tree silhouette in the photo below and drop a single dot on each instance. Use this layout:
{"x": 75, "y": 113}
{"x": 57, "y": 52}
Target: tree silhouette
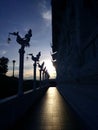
{"x": 3, "y": 65}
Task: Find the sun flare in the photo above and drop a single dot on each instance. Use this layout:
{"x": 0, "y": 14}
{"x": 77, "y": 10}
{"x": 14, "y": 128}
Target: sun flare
{"x": 50, "y": 68}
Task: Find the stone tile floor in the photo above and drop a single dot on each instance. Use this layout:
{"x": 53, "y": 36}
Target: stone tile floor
{"x": 51, "y": 113}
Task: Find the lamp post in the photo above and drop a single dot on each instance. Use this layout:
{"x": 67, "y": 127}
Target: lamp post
{"x": 13, "y": 66}
{"x": 35, "y": 59}
{"x": 24, "y": 42}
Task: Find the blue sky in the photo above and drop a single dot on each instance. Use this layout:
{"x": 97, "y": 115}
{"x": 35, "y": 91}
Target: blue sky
{"x": 22, "y": 15}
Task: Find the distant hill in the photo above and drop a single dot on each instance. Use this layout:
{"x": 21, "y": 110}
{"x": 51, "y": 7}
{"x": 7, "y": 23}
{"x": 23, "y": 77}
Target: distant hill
{"x": 8, "y": 86}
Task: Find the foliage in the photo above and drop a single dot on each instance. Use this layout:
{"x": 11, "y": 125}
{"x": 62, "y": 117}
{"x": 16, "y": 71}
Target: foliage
{"x": 4, "y": 65}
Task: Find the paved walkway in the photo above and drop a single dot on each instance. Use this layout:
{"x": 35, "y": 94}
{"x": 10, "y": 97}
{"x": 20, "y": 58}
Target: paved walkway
{"x": 50, "y": 113}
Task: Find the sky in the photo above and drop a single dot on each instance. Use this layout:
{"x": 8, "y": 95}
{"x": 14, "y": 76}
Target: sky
{"x": 22, "y": 15}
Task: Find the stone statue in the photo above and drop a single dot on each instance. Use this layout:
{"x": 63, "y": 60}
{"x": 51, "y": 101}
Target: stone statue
{"x": 23, "y": 41}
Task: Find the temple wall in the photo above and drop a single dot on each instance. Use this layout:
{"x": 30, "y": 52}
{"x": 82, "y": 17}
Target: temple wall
{"x": 77, "y": 49}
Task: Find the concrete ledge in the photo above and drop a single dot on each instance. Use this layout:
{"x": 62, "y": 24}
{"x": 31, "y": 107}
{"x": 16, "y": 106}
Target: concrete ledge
{"x": 13, "y": 108}
{"x": 84, "y": 100}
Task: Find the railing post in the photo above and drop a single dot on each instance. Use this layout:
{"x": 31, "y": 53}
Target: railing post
{"x": 24, "y": 42}
{"x": 21, "y": 61}
{"x": 35, "y": 59}
{"x": 34, "y": 84}
{"x": 40, "y": 72}
{"x": 13, "y": 67}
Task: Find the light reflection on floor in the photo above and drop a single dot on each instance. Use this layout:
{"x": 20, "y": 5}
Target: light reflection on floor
{"x": 51, "y": 113}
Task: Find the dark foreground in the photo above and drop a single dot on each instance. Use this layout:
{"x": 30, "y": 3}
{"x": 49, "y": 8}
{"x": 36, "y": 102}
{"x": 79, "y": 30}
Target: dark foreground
{"x": 50, "y": 113}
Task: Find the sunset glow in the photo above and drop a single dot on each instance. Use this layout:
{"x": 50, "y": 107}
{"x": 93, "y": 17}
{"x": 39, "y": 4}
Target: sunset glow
{"x": 50, "y": 68}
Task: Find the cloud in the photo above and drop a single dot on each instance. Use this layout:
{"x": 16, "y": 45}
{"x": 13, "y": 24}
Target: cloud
{"x": 45, "y": 12}
{"x": 42, "y": 5}
{"x": 3, "y": 52}
{"x": 47, "y": 15}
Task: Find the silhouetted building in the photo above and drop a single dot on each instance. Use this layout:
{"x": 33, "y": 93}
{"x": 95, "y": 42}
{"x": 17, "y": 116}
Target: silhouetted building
{"x": 74, "y": 39}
